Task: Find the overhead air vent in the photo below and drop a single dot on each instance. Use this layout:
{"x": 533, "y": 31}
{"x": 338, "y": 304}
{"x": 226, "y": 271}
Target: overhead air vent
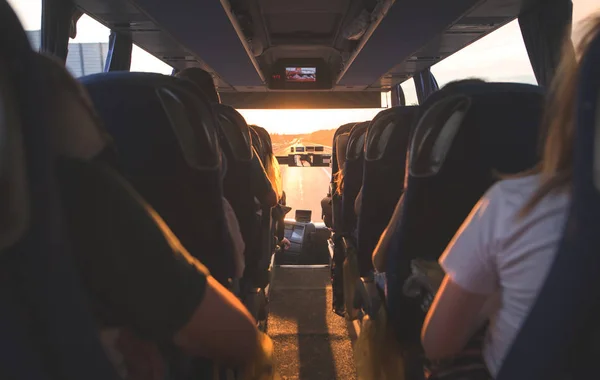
{"x": 424, "y": 58}
{"x": 187, "y": 58}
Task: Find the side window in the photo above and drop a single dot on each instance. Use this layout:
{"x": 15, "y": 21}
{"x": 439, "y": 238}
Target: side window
{"x": 410, "y": 92}
{"x": 88, "y": 50}
{"x": 500, "y": 56}
{"x": 141, "y": 60}
{"x": 410, "y": 95}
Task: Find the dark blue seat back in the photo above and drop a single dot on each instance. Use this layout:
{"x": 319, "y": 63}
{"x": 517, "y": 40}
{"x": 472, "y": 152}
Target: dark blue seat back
{"x": 383, "y": 178}
{"x": 353, "y": 173}
{"x": 244, "y": 180}
{"x": 560, "y": 339}
{"x": 47, "y": 329}
{"x": 167, "y": 146}
{"x": 465, "y": 137}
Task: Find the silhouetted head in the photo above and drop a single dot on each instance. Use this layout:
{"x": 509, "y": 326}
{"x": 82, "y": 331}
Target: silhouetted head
{"x": 462, "y": 82}
{"x": 203, "y": 80}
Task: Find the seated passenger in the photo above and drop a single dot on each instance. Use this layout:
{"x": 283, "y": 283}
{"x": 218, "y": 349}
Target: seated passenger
{"x": 341, "y": 146}
{"x": 274, "y": 174}
{"x": 203, "y": 80}
{"x": 139, "y": 278}
{"x": 497, "y": 262}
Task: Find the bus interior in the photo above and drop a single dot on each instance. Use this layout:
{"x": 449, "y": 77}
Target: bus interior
{"x": 171, "y": 154}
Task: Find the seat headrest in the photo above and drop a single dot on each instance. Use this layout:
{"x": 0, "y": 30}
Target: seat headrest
{"x": 489, "y": 114}
{"x": 356, "y": 141}
{"x": 265, "y": 138}
{"x": 257, "y": 143}
{"x": 203, "y": 80}
{"x": 345, "y": 128}
{"x": 384, "y": 126}
{"x": 234, "y": 132}
{"x": 14, "y": 197}
{"x": 435, "y": 133}
{"x": 138, "y": 106}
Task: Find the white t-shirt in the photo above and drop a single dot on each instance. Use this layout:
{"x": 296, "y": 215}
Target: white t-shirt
{"x": 496, "y": 251}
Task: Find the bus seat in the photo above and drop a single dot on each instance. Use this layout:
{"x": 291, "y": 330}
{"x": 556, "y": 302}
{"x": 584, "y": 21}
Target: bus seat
{"x": 568, "y": 304}
{"x": 464, "y": 139}
{"x": 383, "y": 177}
{"x": 353, "y": 175}
{"x": 167, "y": 147}
{"x": 245, "y": 180}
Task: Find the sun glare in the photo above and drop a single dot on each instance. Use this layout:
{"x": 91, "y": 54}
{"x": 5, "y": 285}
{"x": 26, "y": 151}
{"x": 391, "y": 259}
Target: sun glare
{"x": 300, "y": 121}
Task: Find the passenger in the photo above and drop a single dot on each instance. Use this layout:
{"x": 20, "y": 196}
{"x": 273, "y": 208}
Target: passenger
{"x": 337, "y": 268}
{"x": 274, "y": 174}
{"x": 202, "y": 79}
{"x": 497, "y": 262}
{"x": 139, "y": 277}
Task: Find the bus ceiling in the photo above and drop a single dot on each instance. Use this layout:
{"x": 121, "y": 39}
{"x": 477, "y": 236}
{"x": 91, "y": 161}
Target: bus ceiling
{"x": 323, "y": 51}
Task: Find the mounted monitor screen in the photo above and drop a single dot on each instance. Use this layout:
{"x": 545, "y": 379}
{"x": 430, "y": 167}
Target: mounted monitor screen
{"x": 300, "y": 74}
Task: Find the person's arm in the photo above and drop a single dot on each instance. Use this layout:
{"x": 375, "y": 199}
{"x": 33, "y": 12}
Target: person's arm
{"x": 140, "y": 275}
{"x": 456, "y": 314}
{"x": 358, "y": 202}
{"x": 380, "y": 251}
{"x": 469, "y": 294}
{"x": 220, "y": 328}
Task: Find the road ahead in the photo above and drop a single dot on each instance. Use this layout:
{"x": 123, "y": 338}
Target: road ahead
{"x": 305, "y": 187}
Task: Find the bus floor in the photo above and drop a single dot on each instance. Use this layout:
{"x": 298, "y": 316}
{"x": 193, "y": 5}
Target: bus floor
{"x": 310, "y": 341}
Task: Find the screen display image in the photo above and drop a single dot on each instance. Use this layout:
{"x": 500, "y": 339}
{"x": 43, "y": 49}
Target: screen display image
{"x": 301, "y": 74}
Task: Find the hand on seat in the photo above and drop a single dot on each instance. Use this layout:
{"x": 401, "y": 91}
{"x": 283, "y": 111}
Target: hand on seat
{"x": 286, "y": 244}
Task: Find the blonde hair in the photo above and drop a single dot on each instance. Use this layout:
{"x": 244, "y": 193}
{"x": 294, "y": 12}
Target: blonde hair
{"x": 555, "y": 168}
{"x": 338, "y": 179}
{"x": 274, "y": 174}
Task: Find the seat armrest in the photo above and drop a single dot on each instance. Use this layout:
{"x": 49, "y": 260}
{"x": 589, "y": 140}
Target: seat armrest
{"x": 368, "y": 296}
{"x": 348, "y": 244}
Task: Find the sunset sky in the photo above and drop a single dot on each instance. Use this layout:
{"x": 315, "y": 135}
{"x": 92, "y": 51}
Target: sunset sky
{"x": 500, "y": 56}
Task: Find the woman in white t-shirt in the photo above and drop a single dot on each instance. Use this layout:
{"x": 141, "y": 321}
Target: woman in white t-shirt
{"x": 498, "y": 260}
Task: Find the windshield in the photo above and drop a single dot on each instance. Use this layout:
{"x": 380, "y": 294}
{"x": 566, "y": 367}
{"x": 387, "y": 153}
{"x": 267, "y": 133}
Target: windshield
{"x": 310, "y": 132}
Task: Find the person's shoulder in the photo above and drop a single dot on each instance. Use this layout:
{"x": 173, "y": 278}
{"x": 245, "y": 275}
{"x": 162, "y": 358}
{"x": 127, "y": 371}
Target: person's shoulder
{"x": 503, "y": 200}
{"x": 513, "y": 191}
